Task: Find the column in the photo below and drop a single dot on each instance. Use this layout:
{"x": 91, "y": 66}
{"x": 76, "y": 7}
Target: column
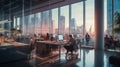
{"x": 58, "y": 19}
{"x": 99, "y": 24}
{"x": 84, "y": 22}
{"x": 70, "y": 19}
{"x": 23, "y": 31}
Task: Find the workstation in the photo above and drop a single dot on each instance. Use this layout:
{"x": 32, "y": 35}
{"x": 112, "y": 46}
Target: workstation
{"x": 59, "y": 33}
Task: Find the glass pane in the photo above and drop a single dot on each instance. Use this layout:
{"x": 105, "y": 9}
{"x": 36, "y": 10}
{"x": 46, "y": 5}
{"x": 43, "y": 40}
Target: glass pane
{"x": 55, "y": 20}
{"x": 18, "y": 23}
{"x": 45, "y": 22}
{"x": 26, "y": 25}
{"x": 64, "y": 20}
{"x": 14, "y": 22}
{"x": 32, "y": 24}
{"x": 76, "y": 24}
{"x": 90, "y": 20}
{"x": 38, "y": 23}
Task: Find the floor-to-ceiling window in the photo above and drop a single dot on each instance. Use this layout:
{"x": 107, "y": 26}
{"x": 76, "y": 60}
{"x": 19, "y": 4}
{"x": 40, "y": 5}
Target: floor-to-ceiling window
{"x": 63, "y": 23}
{"x": 26, "y": 24}
{"x": 31, "y": 24}
{"x": 38, "y": 23}
{"x": 55, "y": 20}
{"x": 45, "y": 22}
{"x": 90, "y": 20}
{"x": 76, "y": 24}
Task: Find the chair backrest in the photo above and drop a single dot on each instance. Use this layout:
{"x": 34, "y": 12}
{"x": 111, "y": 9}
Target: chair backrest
{"x": 78, "y": 43}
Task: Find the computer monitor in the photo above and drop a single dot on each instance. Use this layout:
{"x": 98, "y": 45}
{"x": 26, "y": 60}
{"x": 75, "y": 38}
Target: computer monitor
{"x": 54, "y": 35}
{"x": 60, "y": 37}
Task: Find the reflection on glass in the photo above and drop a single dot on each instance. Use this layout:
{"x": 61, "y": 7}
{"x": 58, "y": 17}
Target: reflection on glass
{"x": 99, "y": 59}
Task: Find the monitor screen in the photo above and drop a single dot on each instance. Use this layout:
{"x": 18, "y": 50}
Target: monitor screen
{"x": 54, "y": 35}
{"x": 60, "y": 37}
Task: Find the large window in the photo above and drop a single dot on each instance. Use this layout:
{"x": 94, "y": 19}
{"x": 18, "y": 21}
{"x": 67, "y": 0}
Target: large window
{"x": 31, "y": 24}
{"x": 55, "y": 20}
{"x": 38, "y": 23}
{"x": 76, "y": 24}
{"x": 26, "y": 24}
{"x": 45, "y": 22}
{"x": 90, "y": 20}
{"x": 64, "y": 20}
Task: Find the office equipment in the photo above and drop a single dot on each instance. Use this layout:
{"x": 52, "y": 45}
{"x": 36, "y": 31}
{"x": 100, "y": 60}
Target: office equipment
{"x": 54, "y": 35}
{"x": 60, "y": 37}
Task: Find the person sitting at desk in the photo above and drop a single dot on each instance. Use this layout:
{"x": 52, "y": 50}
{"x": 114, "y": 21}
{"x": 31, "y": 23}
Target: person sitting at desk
{"x": 47, "y": 36}
{"x": 71, "y": 43}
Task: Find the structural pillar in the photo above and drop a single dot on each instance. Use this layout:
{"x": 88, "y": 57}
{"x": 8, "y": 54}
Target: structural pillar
{"x": 84, "y": 21}
{"x": 70, "y": 18}
{"x": 99, "y": 24}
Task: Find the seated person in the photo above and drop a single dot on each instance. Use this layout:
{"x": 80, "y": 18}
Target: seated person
{"x": 47, "y": 36}
{"x": 71, "y": 43}
{"x": 51, "y": 37}
{"x": 107, "y": 44}
{"x": 32, "y": 42}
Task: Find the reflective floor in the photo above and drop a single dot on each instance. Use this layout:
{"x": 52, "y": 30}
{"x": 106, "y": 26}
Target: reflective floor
{"x": 86, "y": 58}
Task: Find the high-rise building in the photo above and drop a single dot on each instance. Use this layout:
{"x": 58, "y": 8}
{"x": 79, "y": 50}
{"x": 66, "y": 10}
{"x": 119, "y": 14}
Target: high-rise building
{"x": 61, "y": 25}
{"x": 111, "y": 6}
{"x": 72, "y": 26}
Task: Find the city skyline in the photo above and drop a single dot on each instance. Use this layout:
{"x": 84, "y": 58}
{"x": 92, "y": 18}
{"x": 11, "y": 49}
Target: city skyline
{"x": 50, "y": 18}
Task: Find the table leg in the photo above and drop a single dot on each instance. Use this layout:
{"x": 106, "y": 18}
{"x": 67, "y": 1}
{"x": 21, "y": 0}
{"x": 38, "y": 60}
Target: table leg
{"x": 59, "y": 53}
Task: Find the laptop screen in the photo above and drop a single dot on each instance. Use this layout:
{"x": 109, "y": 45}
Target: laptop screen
{"x": 60, "y": 37}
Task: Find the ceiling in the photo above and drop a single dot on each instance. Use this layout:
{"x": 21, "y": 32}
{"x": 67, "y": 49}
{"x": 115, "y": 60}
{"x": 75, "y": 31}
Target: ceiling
{"x": 10, "y": 8}
{"x": 13, "y": 6}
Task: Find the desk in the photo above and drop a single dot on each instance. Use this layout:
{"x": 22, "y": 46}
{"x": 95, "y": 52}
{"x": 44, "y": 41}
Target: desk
{"x": 48, "y": 43}
{"x": 39, "y": 39}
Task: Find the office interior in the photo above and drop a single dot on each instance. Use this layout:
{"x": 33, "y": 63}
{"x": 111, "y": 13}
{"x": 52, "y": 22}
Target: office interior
{"x": 35, "y": 33}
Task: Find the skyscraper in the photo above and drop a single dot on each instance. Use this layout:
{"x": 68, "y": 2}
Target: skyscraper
{"x": 116, "y": 8}
{"x": 61, "y": 25}
{"x": 72, "y": 26}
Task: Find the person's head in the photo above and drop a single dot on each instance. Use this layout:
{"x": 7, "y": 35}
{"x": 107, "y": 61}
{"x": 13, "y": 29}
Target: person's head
{"x": 106, "y": 36}
{"x": 70, "y": 36}
{"x": 47, "y": 34}
{"x": 111, "y": 36}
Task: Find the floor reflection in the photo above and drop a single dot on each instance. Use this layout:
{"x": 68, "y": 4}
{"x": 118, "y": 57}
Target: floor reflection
{"x": 86, "y": 58}
{"x": 99, "y": 59}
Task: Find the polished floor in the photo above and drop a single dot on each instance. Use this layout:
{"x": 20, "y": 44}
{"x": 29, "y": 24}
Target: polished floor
{"x": 86, "y": 58}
